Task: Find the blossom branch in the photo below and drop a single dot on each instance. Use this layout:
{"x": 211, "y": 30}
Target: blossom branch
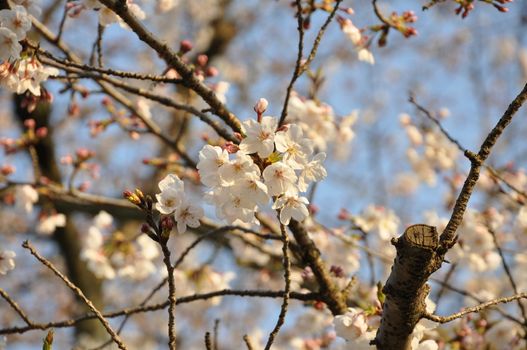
{"x": 301, "y": 67}
{"x": 173, "y": 60}
{"x": 78, "y": 292}
{"x": 109, "y": 90}
{"x": 477, "y": 308}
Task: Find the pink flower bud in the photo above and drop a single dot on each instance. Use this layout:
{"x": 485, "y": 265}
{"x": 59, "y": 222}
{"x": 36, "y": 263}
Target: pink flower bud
{"x": 29, "y": 123}
{"x": 185, "y": 46}
{"x": 167, "y": 223}
{"x": 41, "y": 132}
{"x": 202, "y": 60}
{"x": 343, "y": 214}
{"x": 145, "y": 228}
{"x": 84, "y": 186}
{"x": 211, "y": 72}
{"x": 7, "y": 169}
{"x": 261, "y": 106}
{"x": 106, "y": 101}
{"x": 84, "y": 154}
{"x": 231, "y": 147}
{"x": 66, "y": 160}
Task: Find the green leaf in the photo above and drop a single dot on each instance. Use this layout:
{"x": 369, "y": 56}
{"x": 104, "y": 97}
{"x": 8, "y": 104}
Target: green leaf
{"x": 380, "y": 295}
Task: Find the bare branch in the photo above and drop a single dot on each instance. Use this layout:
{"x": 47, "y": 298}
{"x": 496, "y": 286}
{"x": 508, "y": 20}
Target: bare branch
{"x": 478, "y": 308}
{"x": 116, "y": 338}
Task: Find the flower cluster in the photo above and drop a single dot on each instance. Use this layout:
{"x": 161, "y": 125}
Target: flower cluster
{"x": 319, "y": 123}
{"x": 19, "y": 75}
{"x": 172, "y": 200}
{"x": 109, "y": 254}
{"x": 268, "y": 163}
{"x": 430, "y": 151}
{"x": 359, "y": 40}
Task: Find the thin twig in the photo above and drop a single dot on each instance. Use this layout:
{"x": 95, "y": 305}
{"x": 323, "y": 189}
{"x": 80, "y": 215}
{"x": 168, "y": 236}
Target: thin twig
{"x": 15, "y": 307}
{"x": 448, "y": 237}
{"x": 78, "y": 292}
{"x": 508, "y": 272}
{"x": 181, "y": 300}
{"x": 477, "y": 308}
{"x": 171, "y": 297}
{"x": 208, "y": 343}
{"x": 301, "y": 67}
{"x": 287, "y": 279}
{"x": 247, "y": 341}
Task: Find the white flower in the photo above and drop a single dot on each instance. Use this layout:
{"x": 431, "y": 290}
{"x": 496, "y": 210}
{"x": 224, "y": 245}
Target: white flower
{"x": 366, "y": 56}
{"x": 9, "y": 46}
{"x": 345, "y": 135}
{"x": 103, "y": 220}
{"x": 25, "y": 197}
{"x": 252, "y": 189}
{"x": 166, "y": 5}
{"x": 351, "y": 31}
{"x": 16, "y": 20}
{"x": 295, "y": 147}
{"x": 313, "y": 171}
{"x": 187, "y": 214}
{"x": 211, "y": 158}
{"x": 233, "y": 206}
{"x": 49, "y": 224}
{"x": 32, "y": 6}
{"x": 221, "y": 89}
{"x": 7, "y": 262}
{"x": 31, "y": 73}
{"x": 351, "y": 325}
{"x": 381, "y": 220}
{"x": 93, "y": 253}
{"x": 291, "y": 206}
{"x": 279, "y": 178}
{"x": 236, "y": 169}
{"x": 172, "y": 192}
{"x": 259, "y": 136}
{"x": 147, "y": 248}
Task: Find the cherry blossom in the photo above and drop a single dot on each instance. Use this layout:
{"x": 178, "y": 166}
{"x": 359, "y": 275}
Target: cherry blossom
{"x": 187, "y": 214}
{"x": 9, "y": 46}
{"x": 294, "y": 146}
{"x": 49, "y": 224}
{"x": 291, "y": 206}
{"x": 352, "y": 325}
{"x": 279, "y": 178}
{"x": 313, "y": 171}
{"x": 25, "y": 197}
{"x": 234, "y": 170}
{"x": 16, "y": 20}
{"x": 32, "y": 6}
{"x": 211, "y": 158}
{"x": 172, "y": 192}
{"x": 259, "y": 136}
{"x": 7, "y": 261}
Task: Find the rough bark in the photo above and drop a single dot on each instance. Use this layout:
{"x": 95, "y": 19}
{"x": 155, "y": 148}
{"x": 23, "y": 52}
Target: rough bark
{"x": 419, "y": 254}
